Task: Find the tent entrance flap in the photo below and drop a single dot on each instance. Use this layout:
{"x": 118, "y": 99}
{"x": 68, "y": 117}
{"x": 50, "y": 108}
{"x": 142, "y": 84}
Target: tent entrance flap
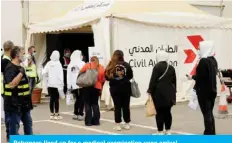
{"x": 71, "y": 41}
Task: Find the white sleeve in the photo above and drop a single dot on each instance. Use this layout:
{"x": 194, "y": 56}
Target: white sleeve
{"x": 45, "y": 75}
{"x": 61, "y": 75}
{"x": 45, "y": 69}
{"x": 82, "y": 65}
{"x": 69, "y": 77}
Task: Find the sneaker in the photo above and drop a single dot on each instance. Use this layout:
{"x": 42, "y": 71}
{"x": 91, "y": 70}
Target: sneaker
{"x": 52, "y": 117}
{"x": 58, "y": 117}
{"x": 80, "y": 118}
{"x": 126, "y": 126}
{"x": 117, "y": 128}
{"x": 167, "y": 132}
{"x": 75, "y": 117}
{"x": 159, "y": 133}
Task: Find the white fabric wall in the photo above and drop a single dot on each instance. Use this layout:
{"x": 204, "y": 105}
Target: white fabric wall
{"x": 129, "y": 34}
{"x": 11, "y": 22}
{"x": 223, "y": 44}
{"x": 101, "y": 32}
{"x": 39, "y": 41}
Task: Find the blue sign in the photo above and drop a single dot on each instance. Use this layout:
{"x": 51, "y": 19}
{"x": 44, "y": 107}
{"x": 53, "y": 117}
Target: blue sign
{"x": 120, "y": 139}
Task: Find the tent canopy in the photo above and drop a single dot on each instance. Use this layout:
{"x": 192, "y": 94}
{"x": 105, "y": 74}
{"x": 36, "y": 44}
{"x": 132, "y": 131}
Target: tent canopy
{"x": 169, "y": 13}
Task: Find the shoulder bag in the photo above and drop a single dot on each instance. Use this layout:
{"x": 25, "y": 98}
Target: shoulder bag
{"x": 88, "y": 78}
{"x": 164, "y": 73}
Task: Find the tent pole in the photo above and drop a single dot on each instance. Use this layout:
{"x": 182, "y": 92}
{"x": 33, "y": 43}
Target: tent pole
{"x": 111, "y": 34}
{"x": 110, "y": 106}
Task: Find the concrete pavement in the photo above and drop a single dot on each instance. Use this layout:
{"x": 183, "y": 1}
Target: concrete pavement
{"x": 185, "y": 121}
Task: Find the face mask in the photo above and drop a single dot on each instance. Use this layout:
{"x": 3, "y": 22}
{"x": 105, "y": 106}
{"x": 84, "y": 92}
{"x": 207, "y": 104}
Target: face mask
{"x": 22, "y": 58}
{"x": 67, "y": 55}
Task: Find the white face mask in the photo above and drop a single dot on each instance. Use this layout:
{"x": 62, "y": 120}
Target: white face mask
{"x": 22, "y": 58}
{"x": 67, "y": 55}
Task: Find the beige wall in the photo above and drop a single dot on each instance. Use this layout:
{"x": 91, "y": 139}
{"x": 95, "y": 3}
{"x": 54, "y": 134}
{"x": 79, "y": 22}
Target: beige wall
{"x": 228, "y": 9}
{"x": 213, "y": 7}
{"x": 45, "y": 10}
{"x": 11, "y": 22}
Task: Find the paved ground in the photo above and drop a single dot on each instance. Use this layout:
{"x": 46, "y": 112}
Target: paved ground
{"x": 185, "y": 121}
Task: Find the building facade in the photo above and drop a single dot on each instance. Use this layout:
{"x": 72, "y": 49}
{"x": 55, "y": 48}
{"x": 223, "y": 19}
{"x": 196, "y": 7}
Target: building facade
{"x": 17, "y": 15}
{"x": 12, "y": 26}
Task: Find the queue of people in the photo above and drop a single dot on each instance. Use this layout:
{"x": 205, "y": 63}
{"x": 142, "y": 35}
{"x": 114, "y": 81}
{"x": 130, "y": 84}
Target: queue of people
{"x": 17, "y": 87}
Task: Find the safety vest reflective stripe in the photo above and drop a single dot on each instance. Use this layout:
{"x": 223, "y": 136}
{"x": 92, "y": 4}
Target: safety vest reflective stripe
{"x": 20, "y": 94}
{"x": 24, "y": 93}
{"x": 23, "y": 87}
{"x": 2, "y": 78}
{"x": 7, "y": 93}
{"x": 2, "y": 87}
{"x": 31, "y": 71}
{"x": 19, "y": 87}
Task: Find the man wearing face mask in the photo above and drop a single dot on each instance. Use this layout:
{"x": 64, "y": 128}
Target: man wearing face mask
{"x": 65, "y": 62}
{"x": 6, "y": 59}
{"x": 17, "y": 96}
{"x": 32, "y": 52}
{"x": 31, "y": 68}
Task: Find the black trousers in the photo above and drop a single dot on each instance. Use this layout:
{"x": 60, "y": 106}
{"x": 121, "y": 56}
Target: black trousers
{"x": 32, "y": 83}
{"x": 79, "y": 103}
{"x": 92, "y": 110}
{"x": 65, "y": 80}
{"x": 121, "y": 104}
{"x": 54, "y": 99}
{"x": 207, "y": 106}
{"x": 163, "y": 118}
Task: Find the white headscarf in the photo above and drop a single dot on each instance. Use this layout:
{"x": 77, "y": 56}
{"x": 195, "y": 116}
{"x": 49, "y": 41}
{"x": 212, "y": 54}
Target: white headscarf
{"x": 55, "y": 56}
{"x": 76, "y": 57}
{"x": 162, "y": 56}
{"x": 206, "y": 49}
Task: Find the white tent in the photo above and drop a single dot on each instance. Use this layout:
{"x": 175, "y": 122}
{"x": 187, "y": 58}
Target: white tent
{"x": 135, "y": 25}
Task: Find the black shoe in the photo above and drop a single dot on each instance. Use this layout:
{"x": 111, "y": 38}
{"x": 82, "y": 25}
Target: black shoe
{"x": 96, "y": 123}
{"x": 88, "y": 125}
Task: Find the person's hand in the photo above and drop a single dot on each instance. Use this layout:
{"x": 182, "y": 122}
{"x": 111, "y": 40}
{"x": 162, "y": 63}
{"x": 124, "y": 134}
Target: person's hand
{"x": 37, "y": 80}
{"x": 189, "y": 77}
{"x": 12, "y": 84}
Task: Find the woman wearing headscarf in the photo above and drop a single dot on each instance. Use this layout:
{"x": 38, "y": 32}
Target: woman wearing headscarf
{"x": 91, "y": 94}
{"x": 162, "y": 88}
{"x": 119, "y": 73}
{"x": 73, "y": 71}
{"x": 53, "y": 73}
{"x": 206, "y": 84}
